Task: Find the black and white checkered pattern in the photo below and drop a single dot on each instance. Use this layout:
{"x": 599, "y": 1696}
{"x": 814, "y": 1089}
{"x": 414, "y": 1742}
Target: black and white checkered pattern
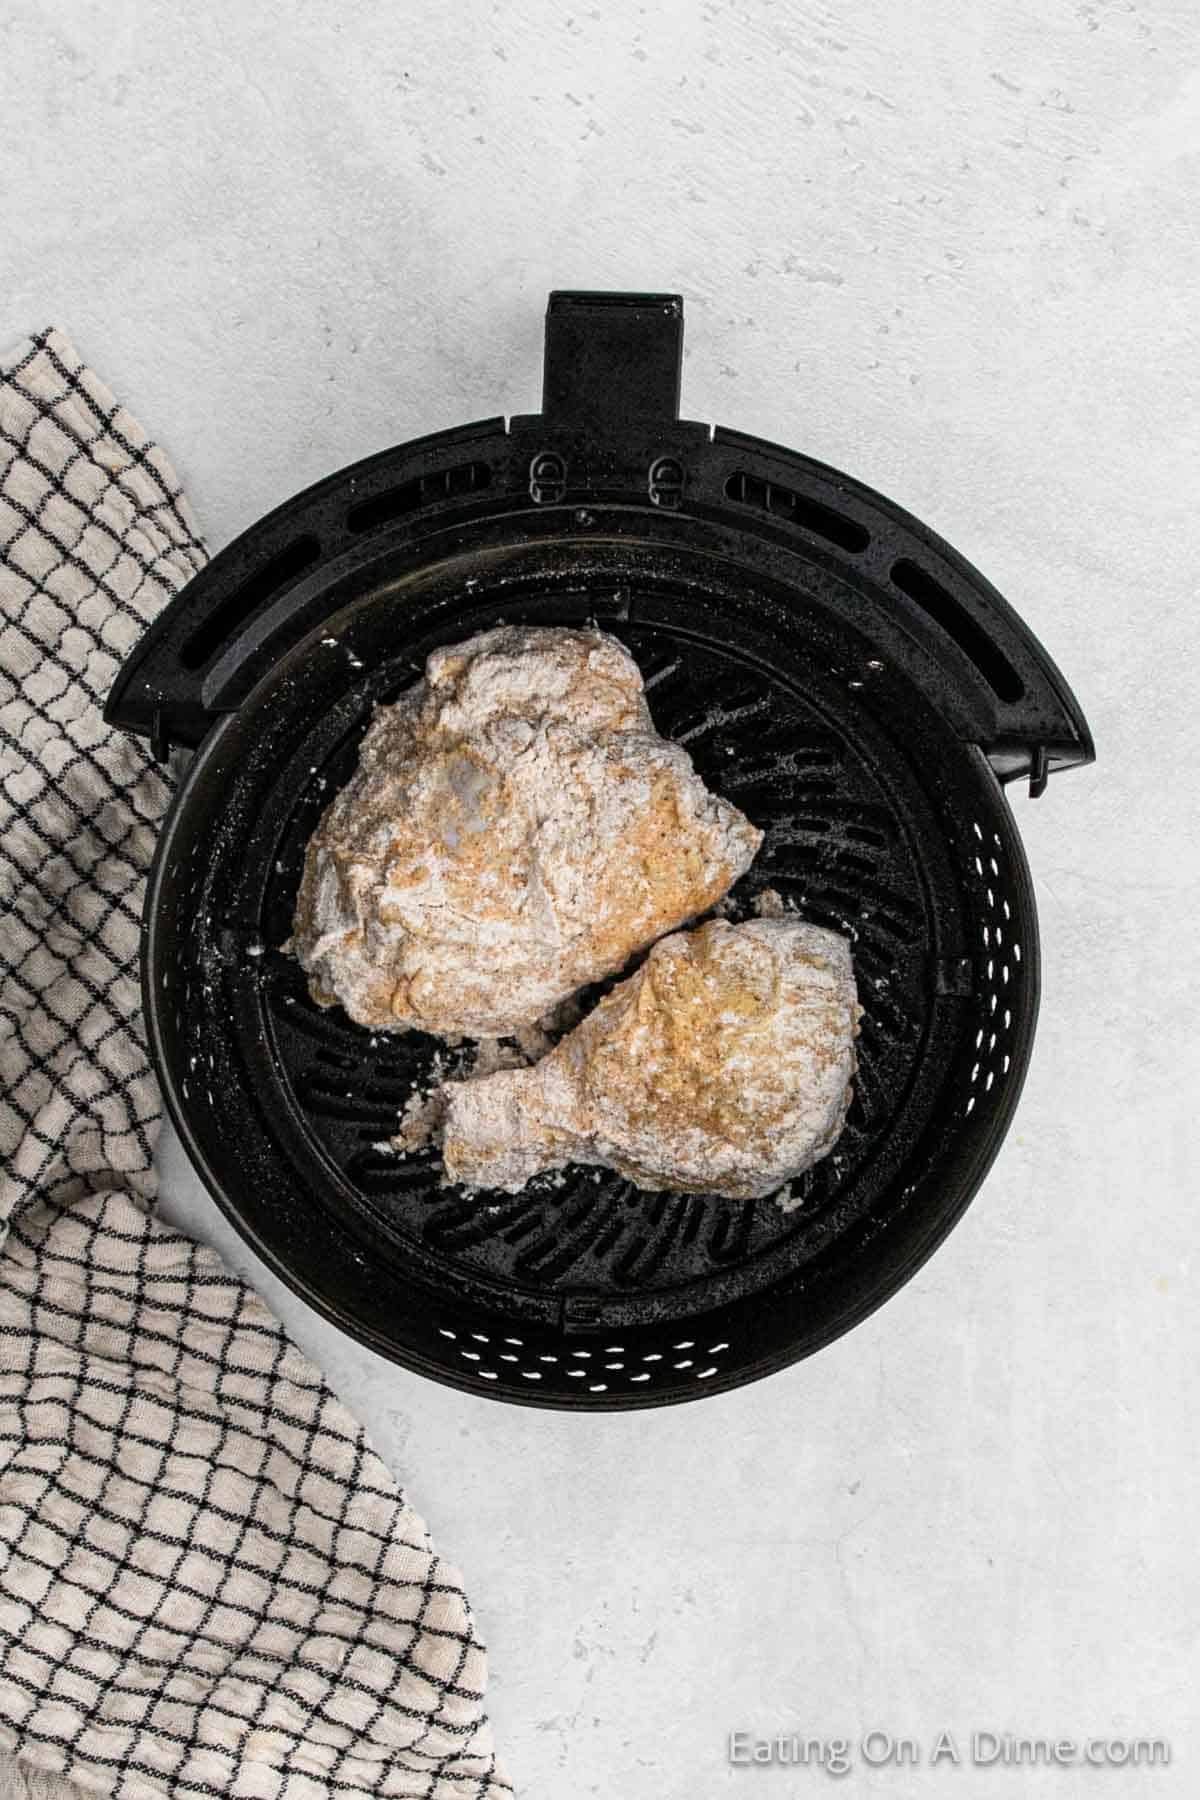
{"x": 209, "y": 1584}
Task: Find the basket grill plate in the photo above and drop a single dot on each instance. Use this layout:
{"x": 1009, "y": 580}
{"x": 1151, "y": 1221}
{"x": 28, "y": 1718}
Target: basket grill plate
{"x": 836, "y": 850}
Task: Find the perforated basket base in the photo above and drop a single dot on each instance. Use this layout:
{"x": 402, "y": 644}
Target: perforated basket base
{"x": 583, "y": 1291}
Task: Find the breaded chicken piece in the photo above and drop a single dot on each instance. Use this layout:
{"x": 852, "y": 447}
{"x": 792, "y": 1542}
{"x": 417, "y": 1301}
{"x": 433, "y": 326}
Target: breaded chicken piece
{"x": 516, "y": 829}
{"x": 722, "y": 1066}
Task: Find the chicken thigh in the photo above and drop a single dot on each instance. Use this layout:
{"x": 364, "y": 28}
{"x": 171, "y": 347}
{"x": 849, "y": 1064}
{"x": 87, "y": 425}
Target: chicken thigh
{"x": 722, "y": 1066}
{"x": 516, "y": 828}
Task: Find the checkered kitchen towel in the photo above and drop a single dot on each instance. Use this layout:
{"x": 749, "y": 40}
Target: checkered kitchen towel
{"x": 209, "y": 1583}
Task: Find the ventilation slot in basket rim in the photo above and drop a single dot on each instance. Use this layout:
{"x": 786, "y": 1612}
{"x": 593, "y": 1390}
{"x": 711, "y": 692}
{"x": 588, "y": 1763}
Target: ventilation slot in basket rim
{"x": 423, "y": 490}
{"x": 248, "y": 598}
{"x": 798, "y": 509}
{"x": 938, "y": 604}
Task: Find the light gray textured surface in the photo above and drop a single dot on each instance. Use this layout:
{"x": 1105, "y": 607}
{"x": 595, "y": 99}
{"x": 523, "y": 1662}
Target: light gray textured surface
{"x": 953, "y": 249}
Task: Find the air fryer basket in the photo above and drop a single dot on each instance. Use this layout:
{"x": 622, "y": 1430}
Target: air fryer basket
{"x": 832, "y": 667}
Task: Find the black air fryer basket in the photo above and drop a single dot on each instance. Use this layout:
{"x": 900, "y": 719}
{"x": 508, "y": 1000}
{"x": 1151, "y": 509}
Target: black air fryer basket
{"x": 833, "y": 668}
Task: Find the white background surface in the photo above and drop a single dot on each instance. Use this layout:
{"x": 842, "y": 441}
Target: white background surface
{"x": 954, "y": 249}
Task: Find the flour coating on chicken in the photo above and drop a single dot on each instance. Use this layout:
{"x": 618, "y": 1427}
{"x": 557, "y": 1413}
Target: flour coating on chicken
{"x": 516, "y": 828}
{"x": 722, "y": 1066}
